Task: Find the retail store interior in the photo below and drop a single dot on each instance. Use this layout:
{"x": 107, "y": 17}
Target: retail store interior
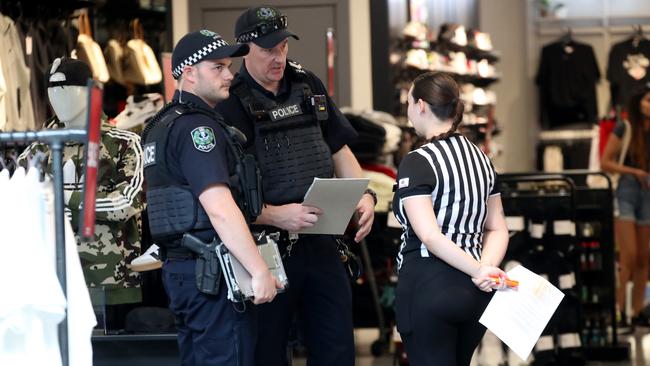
{"x": 545, "y": 86}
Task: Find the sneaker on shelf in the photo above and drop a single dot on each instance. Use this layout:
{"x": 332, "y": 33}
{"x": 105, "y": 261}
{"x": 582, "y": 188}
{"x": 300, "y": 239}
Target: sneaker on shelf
{"x": 148, "y": 261}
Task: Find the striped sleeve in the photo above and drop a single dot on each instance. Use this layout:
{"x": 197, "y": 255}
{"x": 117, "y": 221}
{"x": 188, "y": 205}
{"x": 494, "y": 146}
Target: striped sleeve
{"x": 122, "y": 198}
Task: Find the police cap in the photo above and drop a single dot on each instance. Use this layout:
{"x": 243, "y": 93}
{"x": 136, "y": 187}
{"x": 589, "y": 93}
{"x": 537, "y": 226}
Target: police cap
{"x": 263, "y": 25}
{"x": 202, "y": 45}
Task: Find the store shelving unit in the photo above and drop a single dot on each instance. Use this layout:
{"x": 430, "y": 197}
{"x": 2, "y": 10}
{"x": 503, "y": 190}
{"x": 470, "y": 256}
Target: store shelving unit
{"x": 585, "y": 323}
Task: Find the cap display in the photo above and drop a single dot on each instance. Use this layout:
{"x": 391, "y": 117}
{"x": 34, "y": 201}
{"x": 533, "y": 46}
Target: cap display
{"x": 263, "y": 25}
{"x": 68, "y": 71}
{"x": 202, "y": 45}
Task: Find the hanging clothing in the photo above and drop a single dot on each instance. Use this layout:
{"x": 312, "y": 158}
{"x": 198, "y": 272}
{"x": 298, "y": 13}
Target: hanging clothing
{"x": 628, "y": 69}
{"x": 3, "y": 93}
{"x": 18, "y": 101}
{"x": 567, "y": 77}
{"x": 35, "y": 38}
{"x": 34, "y": 303}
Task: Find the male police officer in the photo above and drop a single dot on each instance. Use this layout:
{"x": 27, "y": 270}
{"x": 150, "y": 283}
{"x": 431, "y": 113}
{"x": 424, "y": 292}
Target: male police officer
{"x": 190, "y": 160}
{"x": 297, "y": 133}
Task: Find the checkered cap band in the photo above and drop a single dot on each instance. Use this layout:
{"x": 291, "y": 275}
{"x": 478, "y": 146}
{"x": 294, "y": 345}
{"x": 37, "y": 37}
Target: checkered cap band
{"x": 248, "y": 37}
{"x": 197, "y": 56}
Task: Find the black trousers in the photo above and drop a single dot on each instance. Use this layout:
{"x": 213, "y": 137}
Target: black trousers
{"x": 210, "y": 331}
{"x": 319, "y": 294}
{"x": 437, "y": 312}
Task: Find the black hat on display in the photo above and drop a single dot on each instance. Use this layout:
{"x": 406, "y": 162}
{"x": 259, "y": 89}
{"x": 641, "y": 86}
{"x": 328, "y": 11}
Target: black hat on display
{"x": 68, "y": 71}
{"x": 263, "y": 25}
{"x": 202, "y": 45}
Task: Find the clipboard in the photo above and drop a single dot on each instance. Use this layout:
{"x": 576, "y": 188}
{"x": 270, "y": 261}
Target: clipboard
{"x": 338, "y": 198}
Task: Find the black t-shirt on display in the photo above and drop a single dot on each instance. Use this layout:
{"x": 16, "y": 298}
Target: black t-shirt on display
{"x": 567, "y": 77}
{"x": 628, "y": 69}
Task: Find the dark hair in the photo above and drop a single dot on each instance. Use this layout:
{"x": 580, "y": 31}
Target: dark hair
{"x": 440, "y": 92}
{"x": 638, "y": 150}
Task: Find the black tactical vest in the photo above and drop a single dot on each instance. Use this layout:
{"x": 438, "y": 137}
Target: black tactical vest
{"x": 289, "y": 143}
{"x": 173, "y": 209}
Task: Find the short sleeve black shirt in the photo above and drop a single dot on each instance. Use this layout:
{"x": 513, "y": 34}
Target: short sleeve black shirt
{"x": 628, "y": 69}
{"x": 194, "y": 157}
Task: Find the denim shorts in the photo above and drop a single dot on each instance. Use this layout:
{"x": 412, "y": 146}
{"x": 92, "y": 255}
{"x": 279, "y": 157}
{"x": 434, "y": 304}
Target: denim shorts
{"x": 632, "y": 202}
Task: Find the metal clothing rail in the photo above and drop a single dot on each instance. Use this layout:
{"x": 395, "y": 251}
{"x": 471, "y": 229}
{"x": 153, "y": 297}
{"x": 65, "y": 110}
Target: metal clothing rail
{"x": 55, "y": 139}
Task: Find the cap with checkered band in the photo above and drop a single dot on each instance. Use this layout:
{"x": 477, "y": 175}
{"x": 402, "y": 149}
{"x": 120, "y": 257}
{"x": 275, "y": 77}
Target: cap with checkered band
{"x": 202, "y": 45}
{"x": 263, "y": 25}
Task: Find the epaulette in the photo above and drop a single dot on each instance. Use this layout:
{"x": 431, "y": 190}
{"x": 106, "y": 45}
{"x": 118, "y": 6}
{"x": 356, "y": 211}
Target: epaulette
{"x": 296, "y": 69}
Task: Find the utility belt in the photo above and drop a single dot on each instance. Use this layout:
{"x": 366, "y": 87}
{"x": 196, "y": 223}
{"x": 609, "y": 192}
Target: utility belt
{"x": 287, "y": 241}
{"x": 213, "y": 260}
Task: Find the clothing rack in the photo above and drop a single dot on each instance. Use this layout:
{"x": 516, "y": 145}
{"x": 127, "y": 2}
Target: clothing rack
{"x": 55, "y": 139}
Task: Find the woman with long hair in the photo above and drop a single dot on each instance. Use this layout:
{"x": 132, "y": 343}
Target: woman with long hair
{"x": 632, "y": 201}
{"x": 454, "y": 231}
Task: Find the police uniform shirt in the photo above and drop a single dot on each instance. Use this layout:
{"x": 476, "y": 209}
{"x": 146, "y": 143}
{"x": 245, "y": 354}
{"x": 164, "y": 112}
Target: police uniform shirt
{"x": 337, "y": 130}
{"x": 197, "y": 148}
{"x": 459, "y": 178}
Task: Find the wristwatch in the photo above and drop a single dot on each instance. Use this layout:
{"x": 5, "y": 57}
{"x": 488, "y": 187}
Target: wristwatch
{"x": 372, "y": 194}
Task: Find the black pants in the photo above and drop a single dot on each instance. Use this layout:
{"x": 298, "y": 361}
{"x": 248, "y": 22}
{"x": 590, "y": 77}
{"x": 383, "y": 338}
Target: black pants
{"x": 319, "y": 293}
{"x": 437, "y": 311}
{"x": 210, "y": 331}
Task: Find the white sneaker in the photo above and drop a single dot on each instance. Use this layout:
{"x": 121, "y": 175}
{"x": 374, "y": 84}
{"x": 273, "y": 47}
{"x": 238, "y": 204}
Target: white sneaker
{"x": 148, "y": 261}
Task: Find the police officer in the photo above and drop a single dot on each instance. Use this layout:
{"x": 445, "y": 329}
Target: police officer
{"x": 190, "y": 158}
{"x": 296, "y": 133}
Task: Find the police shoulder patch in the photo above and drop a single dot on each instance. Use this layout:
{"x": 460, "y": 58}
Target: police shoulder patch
{"x": 203, "y": 138}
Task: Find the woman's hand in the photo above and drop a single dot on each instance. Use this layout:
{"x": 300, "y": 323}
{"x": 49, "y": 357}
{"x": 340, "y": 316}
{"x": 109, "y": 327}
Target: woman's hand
{"x": 484, "y": 279}
{"x": 643, "y": 177}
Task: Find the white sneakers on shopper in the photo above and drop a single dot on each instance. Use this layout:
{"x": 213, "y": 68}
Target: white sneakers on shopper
{"x": 148, "y": 261}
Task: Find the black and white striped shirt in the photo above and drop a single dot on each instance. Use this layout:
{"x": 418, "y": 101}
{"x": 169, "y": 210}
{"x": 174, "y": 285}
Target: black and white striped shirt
{"x": 459, "y": 178}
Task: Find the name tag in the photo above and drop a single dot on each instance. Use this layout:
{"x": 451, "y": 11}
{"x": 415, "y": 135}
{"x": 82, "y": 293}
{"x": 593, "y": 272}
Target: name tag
{"x": 149, "y": 154}
{"x": 285, "y": 112}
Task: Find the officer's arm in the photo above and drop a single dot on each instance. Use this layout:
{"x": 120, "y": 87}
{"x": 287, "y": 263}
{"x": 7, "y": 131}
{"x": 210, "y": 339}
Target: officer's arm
{"x": 231, "y": 227}
{"x": 347, "y": 166}
{"x": 122, "y": 199}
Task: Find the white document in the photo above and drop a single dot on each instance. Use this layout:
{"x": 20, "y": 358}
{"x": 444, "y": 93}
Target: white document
{"x": 338, "y": 198}
{"x": 518, "y": 316}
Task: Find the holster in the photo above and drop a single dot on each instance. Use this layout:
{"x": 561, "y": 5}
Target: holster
{"x": 208, "y": 269}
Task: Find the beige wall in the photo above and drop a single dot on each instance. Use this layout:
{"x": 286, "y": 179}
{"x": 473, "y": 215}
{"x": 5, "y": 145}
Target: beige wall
{"x": 360, "y": 57}
{"x": 180, "y": 19}
{"x": 515, "y": 110}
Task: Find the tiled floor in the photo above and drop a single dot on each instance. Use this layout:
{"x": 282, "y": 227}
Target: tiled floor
{"x": 491, "y": 354}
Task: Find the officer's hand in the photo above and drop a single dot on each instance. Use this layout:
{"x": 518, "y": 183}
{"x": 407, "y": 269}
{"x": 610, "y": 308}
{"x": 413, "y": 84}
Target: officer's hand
{"x": 265, "y": 287}
{"x": 484, "y": 279}
{"x": 293, "y": 217}
{"x": 366, "y": 212}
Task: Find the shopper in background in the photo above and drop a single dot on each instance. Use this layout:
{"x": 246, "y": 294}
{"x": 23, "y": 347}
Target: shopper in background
{"x": 296, "y": 133}
{"x": 190, "y": 161}
{"x": 455, "y": 234}
{"x": 632, "y": 201}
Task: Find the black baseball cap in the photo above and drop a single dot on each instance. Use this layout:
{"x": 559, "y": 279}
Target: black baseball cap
{"x": 65, "y": 71}
{"x": 202, "y": 45}
{"x": 264, "y": 25}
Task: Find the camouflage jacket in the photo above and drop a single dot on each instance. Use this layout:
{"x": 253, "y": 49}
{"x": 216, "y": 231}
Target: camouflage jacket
{"x": 119, "y": 202}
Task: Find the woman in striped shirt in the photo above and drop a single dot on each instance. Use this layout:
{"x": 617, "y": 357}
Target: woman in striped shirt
{"x": 454, "y": 231}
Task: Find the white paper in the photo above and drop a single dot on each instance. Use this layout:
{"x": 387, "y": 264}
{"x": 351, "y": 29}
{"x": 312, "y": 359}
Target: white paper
{"x": 338, "y": 198}
{"x": 518, "y": 316}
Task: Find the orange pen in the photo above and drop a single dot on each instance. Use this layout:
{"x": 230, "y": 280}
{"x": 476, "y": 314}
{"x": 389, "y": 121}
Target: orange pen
{"x": 510, "y": 283}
